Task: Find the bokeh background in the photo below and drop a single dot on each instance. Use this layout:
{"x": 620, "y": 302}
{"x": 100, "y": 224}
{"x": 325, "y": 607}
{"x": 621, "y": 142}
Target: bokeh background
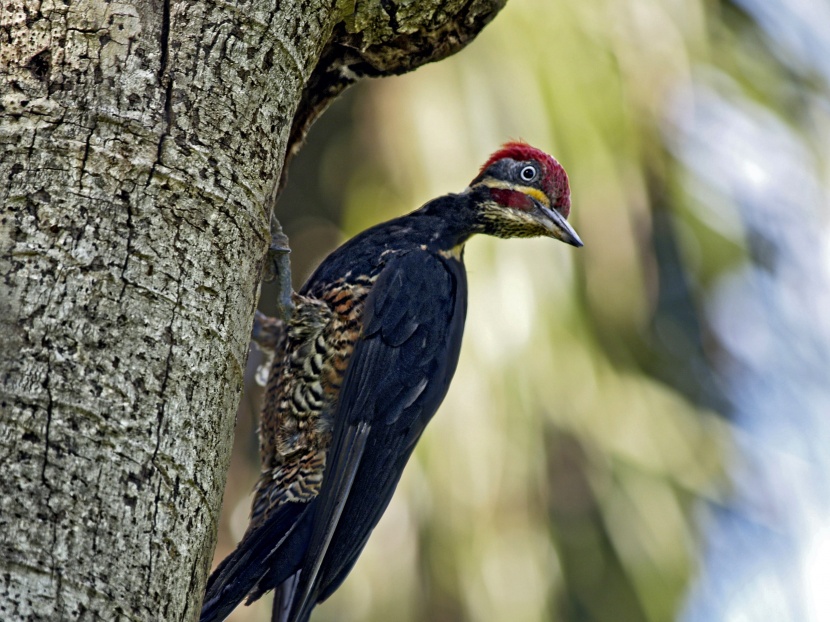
{"x": 639, "y": 430}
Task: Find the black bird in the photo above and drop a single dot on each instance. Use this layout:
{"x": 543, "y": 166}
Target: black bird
{"x": 360, "y": 369}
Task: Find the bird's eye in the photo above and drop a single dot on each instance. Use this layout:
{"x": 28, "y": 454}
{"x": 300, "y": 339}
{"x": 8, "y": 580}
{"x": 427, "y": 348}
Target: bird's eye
{"x": 528, "y": 173}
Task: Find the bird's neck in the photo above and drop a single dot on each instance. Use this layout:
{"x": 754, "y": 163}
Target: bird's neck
{"x": 447, "y": 223}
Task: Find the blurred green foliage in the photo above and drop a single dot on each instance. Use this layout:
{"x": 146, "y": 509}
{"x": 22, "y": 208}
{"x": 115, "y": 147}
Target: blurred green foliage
{"x": 557, "y": 480}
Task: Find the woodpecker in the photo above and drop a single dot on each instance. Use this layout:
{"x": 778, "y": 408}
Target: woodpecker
{"x": 359, "y": 370}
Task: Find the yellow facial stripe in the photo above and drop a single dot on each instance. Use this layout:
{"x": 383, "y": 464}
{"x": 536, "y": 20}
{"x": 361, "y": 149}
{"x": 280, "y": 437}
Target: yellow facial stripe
{"x": 535, "y": 193}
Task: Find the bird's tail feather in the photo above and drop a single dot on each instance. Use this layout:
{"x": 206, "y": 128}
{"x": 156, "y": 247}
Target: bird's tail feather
{"x": 284, "y": 598}
{"x": 253, "y": 567}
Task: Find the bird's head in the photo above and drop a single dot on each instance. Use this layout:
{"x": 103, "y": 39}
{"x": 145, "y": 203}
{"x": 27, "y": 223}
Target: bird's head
{"x": 524, "y": 192}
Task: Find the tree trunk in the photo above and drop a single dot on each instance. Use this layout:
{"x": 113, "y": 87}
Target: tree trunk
{"x": 141, "y": 148}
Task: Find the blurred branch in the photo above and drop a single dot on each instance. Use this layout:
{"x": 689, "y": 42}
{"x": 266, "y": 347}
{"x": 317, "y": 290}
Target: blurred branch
{"x": 678, "y": 326}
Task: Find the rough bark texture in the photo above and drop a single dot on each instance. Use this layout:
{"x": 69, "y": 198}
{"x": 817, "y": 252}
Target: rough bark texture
{"x": 141, "y": 146}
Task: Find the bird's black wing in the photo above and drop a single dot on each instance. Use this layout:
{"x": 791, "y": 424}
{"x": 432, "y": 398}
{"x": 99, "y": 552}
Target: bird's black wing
{"x": 384, "y": 403}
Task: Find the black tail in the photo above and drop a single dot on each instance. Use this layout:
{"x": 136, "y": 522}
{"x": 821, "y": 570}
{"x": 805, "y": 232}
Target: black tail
{"x": 284, "y": 595}
{"x": 264, "y": 559}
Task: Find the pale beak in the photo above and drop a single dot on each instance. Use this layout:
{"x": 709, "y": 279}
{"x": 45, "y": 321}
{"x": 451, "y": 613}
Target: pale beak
{"x": 556, "y": 224}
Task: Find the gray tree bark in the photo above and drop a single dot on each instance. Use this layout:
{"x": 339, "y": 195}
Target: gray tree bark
{"x": 141, "y": 150}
